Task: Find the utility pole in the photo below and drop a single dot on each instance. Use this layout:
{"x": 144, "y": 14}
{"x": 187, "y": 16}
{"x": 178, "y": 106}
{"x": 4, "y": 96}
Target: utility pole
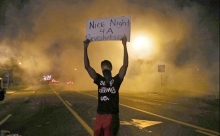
{"x": 7, "y": 75}
{"x": 161, "y": 69}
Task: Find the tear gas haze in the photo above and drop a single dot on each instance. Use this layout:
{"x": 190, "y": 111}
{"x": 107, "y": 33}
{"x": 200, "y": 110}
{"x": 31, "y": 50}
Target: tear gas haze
{"x": 47, "y": 36}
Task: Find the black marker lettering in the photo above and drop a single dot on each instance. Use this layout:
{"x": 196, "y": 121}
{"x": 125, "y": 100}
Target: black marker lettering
{"x": 94, "y": 25}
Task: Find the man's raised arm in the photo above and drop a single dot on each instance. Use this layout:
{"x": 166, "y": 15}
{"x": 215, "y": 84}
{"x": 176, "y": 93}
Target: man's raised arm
{"x": 89, "y": 69}
{"x": 124, "y": 67}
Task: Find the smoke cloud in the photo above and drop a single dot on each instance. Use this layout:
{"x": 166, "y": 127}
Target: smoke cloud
{"x": 47, "y": 37}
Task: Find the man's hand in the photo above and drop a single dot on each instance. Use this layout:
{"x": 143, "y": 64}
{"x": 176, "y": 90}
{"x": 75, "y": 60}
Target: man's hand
{"x": 86, "y": 42}
{"x": 124, "y": 40}
{"x": 124, "y": 67}
{"x": 89, "y": 69}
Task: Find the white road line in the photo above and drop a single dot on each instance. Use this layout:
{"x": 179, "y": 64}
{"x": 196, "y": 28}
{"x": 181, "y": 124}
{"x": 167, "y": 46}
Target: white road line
{"x": 206, "y": 133}
{"x": 142, "y": 101}
{"x": 87, "y": 94}
{"x": 26, "y": 99}
{"x": 69, "y": 103}
{"x": 156, "y": 101}
{"x": 173, "y": 120}
{"x": 5, "y": 119}
{"x": 82, "y": 122}
{"x": 162, "y": 101}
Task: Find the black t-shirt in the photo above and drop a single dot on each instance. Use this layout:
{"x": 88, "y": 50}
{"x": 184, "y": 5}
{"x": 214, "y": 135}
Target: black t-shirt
{"x": 108, "y": 97}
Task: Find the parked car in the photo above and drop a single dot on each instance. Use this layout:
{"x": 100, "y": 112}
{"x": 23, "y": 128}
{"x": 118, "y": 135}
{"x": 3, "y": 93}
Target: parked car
{"x": 2, "y": 90}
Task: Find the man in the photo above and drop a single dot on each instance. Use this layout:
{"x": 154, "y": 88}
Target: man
{"x": 107, "y": 118}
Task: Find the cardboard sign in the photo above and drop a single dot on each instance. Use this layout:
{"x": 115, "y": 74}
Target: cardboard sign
{"x": 106, "y": 29}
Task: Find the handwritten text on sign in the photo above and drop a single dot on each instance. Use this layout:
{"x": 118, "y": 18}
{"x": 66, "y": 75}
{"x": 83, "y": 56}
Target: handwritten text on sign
{"x": 108, "y": 29}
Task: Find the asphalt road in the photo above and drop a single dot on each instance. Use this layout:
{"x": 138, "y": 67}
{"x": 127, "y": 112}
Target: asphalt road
{"x": 55, "y": 110}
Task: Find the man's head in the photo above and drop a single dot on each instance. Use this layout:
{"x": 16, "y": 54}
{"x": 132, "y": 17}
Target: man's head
{"x": 106, "y": 70}
{"x": 106, "y": 64}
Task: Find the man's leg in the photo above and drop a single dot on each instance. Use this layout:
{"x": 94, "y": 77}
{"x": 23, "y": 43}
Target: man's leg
{"x": 107, "y": 120}
{"x": 97, "y": 125}
{"x": 115, "y": 124}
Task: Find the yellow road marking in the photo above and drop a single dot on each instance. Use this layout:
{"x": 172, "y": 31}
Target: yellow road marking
{"x": 69, "y": 103}
{"x": 205, "y": 133}
{"x": 82, "y": 122}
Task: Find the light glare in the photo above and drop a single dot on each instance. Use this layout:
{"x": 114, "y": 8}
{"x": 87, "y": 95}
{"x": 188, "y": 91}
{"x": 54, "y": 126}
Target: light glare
{"x": 142, "y": 47}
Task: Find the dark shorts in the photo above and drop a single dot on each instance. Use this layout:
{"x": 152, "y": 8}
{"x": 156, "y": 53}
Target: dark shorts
{"x": 106, "y": 125}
